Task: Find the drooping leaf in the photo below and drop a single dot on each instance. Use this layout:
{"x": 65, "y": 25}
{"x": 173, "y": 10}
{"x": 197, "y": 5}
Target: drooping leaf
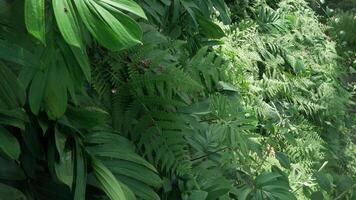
{"x": 114, "y": 34}
{"x": 12, "y": 93}
{"x": 9, "y": 144}
{"x": 9, "y": 170}
{"x": 67, "y": 22}
{"x": 107, "y": 181}
{"x": 209, "y": 28}
{"x": 80, "y": 173}
{"x": 127, "y": 5}
{"x": 35, "y": 18}
{"x": 10, "y": 193}
{"x": 37, "y": 90}
{"x": 65, "y": 168}
{"x": 283, "y": 159}
{"x": 55, "y": 93}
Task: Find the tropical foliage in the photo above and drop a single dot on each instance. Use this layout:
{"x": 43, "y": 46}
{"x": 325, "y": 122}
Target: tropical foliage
{"x": 172, "y": 99}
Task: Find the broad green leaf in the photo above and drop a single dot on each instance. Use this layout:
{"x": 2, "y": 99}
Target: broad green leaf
{"x": 267, "y": 177}
{"x": 325, "y": 181}
{"x": 114, "y": 34}
{"x": 127, "y": 5}
{"x": 35, "y": 18}
{"x": 226, "y": 87}
{"x": 140, "y": 189}
{"x": 31, "y": 137}
{"x": 209, "y": 28}
{"x": 88, "y": 117}
{"x": 9, "y": 144}
{"x": 60, "y": 139}
{"x": 83, "y": 61}
{"x": 15, "y": 117}
{"x": 244, "y": 192}
{"x": 80, "y": 173}
{"x": 107, "y": 181}
{"x": 12, "y": 93}
{"x": 10, "y": 193}
{"x": 65, "y": 168}
{"x": 317, "y": 196}
{"x": 9, "y": 170}
{"x": 198, "y": 195}
{"x": 67, "y": 22}
{"x": 130, "y": 169}
{"x": 56, "y": 94}
{"x": 36, "y": 92}
{"x": 223, "y": 10}
{"x": 283, "y": 159}
{"x": 16, "y": 54}
{"x": 115, "y": 151}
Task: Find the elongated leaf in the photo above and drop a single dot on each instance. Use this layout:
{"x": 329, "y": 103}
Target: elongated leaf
{"x": 15, "y": 117}
{"x": 9, "y": 144}
{"x": 80, "y": 173}
{"x": 12, "y": 93}
{"x": 56, "y": 94}
{"x": 283, "y": 159}
{"x": 60, "y": 140}
{"x": 209, "y": 28}
{"x": 107, "y": 181}
{"x": 108, "y": 30}
{"x": 130, "y": 169}
{"x": 267, "y": 177}
{"x": 9, "y": 170}
{"x": 35, "y": 18}
{"x": 67, "y": 22}
{"x": 16, "y": 54}
{"x": 36, "y": 93}
{"x": 140, "y": 189}
{"x": 127, "y": 5}
{"x": 10, "y": 193}
{"x": 65, "y": 168}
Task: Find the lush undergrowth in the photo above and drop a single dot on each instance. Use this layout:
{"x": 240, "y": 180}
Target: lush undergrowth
{"x": 161, "y": 99}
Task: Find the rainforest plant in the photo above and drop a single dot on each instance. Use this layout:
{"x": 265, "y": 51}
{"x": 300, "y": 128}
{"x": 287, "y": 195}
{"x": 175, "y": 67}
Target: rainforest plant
{"x": 170, "y": 99}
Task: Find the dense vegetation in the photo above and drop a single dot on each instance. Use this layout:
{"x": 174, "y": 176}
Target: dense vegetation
{"x": 176, "y": 99}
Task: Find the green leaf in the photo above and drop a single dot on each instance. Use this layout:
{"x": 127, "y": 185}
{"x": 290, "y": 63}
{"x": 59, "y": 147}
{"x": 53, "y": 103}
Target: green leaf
{"x": 198, "y": 195}
{"x": 324, "y": 180}
{"x": 209, "y": 28}
{"x": 56, "y": 94}
{"x": 16, "y": 54}
{"x": 10, "y": 193}
{"x": 9, "y": 144}
{"x": 244, "y": 192}
{"x": 226, "y": 87}
{"x": 107, "y": 181}
{"x": 267, "y": 177}
{"x": 114, "y": 34}
{"x": 15, "y": 117}
{"x": 60, "y": 140}
{"x": 127, "y": 5}
{"x": 67, "y": 22}
{"x": 36, "y": 92}
{"x": 82, "y": 59}
{"x": 317, "y": 196}
{"x": 283, "y": 159}
{"x": 65, "y": 168}
{"x": 130, "y": 169}
{"x": 86, "y": 117}
{"x": 35, "y": 18}
{"x": 12, "y": 93}
{"x": 9, "y": 170}
{"x": 140, "y": 189}
{"x": 80, "y": 173}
